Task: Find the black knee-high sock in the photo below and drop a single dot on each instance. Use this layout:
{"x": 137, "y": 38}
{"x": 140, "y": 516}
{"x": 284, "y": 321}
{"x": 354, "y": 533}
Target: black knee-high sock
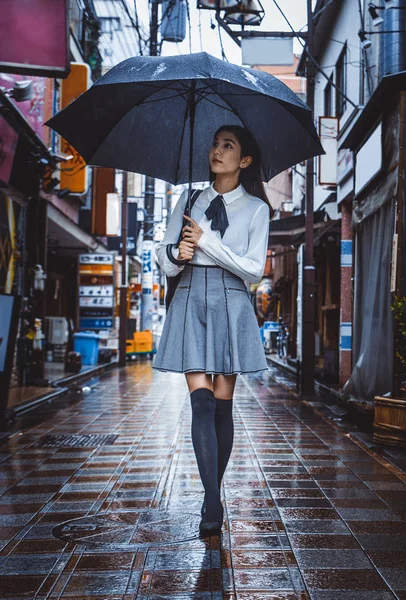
{"x": 225, "y": 434}
{"x": 204, "y": 441}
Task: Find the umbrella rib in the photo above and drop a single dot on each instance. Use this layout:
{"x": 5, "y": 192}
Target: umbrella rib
{"x": 216, "y": 104}
{"x": 181, "y": 143}
{"x": 161, "y": 99}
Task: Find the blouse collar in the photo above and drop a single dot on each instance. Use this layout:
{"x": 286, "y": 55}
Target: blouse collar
{"x": 229, "y": 196}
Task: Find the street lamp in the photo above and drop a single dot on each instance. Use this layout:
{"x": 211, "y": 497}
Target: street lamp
{"x": 376, "y": 19}
{"x": 365, "y": 42}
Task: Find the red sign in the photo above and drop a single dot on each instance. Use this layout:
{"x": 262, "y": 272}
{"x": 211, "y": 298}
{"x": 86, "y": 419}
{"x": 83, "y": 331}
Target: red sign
{"x": 34, "y": 37}
{"x": 39, "y": 108}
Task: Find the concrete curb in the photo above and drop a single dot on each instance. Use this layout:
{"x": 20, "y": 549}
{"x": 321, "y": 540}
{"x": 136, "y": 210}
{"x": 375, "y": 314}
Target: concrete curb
{"x": 62, "y": 386}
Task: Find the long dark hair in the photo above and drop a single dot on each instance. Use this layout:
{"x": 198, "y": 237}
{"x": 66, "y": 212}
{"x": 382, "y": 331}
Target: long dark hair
{"x": 250, "y": 177}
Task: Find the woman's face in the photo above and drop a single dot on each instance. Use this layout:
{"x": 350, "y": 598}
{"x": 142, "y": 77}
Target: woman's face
{"x": 225, "y": 155}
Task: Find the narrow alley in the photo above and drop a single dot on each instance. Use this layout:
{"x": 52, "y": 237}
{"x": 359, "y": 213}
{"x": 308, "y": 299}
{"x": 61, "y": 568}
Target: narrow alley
{"x": 100, "y": 498}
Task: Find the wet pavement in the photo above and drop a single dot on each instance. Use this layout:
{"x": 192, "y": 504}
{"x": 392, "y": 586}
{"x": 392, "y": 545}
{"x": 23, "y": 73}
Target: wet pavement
{"x": 111, "y": 511}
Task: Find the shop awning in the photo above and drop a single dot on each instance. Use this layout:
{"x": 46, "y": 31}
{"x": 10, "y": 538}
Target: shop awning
{"x": 67, "y": 238}
{"x": 290, "y": 231}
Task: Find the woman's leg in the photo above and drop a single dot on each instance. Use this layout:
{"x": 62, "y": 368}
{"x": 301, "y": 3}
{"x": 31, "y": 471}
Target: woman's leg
{"x": 199, "y": 380}
{"x": 204, "y": 441}
{"x": 223, "y": 388}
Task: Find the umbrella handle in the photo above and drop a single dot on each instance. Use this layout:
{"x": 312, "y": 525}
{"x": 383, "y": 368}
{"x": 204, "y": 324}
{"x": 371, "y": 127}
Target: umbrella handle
{"x": 174, "y": 260}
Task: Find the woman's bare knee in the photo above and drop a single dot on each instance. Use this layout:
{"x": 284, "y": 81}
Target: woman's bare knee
{"x": 223, "y": 386}
{"x": 198, "y": 380}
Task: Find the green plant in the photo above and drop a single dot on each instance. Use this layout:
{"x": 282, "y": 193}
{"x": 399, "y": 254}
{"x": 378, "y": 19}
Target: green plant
{"x": 399, "y": 311}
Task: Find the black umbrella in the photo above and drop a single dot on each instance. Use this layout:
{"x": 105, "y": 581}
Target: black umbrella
{"x": 157, "y": 116}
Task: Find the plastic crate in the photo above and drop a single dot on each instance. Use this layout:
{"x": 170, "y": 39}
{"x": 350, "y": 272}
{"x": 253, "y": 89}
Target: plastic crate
{"x": 143, "y": 341}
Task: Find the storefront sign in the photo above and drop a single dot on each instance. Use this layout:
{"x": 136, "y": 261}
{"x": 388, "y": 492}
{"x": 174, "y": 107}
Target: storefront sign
{"x": 92, "y": 301}
{"x": 368, "y": 161}
{"x": 147, "y": 278}
{"x": 34, "y": 37}
{"x": 96, "y": 298}
{"x": 345, "y": 164}
{"x": 95, "y": 290}
{"x": 96, "y": 259}
{"x": 98, "y": 323}
{"x": 74, "y": 175}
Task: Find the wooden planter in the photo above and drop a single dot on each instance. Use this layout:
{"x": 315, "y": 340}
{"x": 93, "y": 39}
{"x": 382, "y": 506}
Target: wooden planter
{"x": 390, "y": 421}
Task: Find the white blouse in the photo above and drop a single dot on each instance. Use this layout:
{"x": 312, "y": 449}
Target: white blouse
{"x": 243, "y": 248}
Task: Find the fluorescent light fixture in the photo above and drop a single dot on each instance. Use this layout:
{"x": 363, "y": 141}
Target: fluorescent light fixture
{"x": 217, "y": 5}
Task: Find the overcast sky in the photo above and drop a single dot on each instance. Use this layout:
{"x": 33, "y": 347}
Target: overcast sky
{"x": 206, "y": 39}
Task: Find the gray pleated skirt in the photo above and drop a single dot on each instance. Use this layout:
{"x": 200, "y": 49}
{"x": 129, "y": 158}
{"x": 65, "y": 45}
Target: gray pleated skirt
{"x": 210, "y": 326}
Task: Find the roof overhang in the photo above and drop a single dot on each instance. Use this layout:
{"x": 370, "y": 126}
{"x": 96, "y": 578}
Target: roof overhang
{"x": 68, "y": 238}
{"x": 290, "y": 231}
{"x": 368, "y": 119}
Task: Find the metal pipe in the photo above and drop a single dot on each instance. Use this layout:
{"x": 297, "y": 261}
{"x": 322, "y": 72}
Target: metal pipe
{"x": 123, "y": 286}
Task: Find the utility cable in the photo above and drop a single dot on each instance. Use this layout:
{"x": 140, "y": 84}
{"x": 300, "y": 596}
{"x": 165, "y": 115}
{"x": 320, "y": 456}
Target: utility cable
{"x": 190, "y": 27}
{"x": 364, "y": 55}
{"x": 223, "y": 54}
{"x": 313, "y": 60}
{"x": 200, "y": 31}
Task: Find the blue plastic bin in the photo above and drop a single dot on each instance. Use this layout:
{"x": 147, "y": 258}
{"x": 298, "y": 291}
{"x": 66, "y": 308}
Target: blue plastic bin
{"x": 87, "y": 344}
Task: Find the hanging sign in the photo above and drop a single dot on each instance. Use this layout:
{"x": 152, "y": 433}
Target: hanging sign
{"x": 74, "y": 175}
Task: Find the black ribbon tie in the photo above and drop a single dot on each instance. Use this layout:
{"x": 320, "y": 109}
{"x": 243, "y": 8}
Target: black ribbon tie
{"x": 217, "y": 214}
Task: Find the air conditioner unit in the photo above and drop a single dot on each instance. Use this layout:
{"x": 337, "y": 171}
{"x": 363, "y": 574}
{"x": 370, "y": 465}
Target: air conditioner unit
{"x": 58, "y": 332}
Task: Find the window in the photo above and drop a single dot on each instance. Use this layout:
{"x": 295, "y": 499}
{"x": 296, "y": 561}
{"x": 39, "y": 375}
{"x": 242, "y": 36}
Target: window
{"x": 328, "y": 99}
{"x": 341, "y": 83}
{"x": 110, "y": 25}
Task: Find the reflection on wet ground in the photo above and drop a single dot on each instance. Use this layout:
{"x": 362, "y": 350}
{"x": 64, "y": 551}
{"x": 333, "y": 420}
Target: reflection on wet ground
{"x": 308, "y": 513}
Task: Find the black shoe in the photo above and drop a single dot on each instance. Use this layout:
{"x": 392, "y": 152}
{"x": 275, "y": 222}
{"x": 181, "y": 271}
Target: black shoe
{"x": 208, "y": 528}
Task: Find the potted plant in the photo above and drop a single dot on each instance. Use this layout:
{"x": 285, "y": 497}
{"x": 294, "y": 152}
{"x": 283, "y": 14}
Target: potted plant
{"x": 399, "y": 311}
{"x": 390, "y": 413}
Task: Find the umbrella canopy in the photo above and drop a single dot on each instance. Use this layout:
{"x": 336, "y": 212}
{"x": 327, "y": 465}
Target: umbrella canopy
{"x": 140, "y": 115}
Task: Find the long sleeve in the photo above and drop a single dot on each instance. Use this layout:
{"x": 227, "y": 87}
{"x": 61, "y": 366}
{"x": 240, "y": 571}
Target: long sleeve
{"x": 250, "y": 266}
{"x": 171, "y": 237}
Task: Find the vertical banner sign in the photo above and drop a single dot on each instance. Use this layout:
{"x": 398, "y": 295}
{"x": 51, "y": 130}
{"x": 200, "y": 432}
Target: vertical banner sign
{"x": 96, "y": 291}
{"x": 394, "y": 264}
{"x": 328, "y": 131}
{"x": 146, "y": 282}
{"x": 74, "y": 175}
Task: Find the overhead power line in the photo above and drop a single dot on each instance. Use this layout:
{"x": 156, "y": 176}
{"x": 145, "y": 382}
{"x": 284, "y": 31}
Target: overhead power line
{"x": 312, "y": 59}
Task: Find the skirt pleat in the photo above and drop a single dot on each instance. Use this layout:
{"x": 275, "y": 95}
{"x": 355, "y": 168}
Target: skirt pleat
{"x": 211, "y": 326}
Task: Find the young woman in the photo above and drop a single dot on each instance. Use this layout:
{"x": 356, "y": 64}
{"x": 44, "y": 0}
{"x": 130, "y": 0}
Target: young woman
{"x": 211, "y": 332}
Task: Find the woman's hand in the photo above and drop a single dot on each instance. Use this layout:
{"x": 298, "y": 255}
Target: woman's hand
{"x": 191, "y": 233}
{"x": 186, "y": 250}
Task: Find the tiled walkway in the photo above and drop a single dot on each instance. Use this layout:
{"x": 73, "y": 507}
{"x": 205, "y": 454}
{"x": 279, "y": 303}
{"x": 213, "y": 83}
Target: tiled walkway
{"x": 308, "y": 513}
